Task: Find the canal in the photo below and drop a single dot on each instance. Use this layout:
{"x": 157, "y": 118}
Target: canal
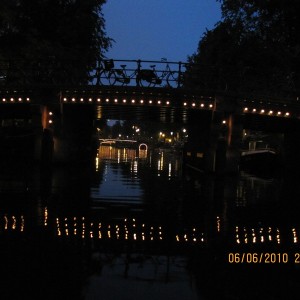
{"x": 135, "y": 224}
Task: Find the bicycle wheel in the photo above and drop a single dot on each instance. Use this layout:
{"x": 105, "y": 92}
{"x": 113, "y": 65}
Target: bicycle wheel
{"x": 145, "y": 81}
{"x": 103, "y": 78}
{"x": 172, "y": 80}
{"x": 112, "y": 78}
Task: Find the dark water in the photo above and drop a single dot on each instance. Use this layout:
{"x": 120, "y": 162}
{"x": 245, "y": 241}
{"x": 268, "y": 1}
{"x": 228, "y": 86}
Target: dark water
{"x": 132, "y": 225}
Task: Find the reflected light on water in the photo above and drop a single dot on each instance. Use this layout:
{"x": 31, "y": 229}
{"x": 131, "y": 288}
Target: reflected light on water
{"x": 295, "y": 238}
{"x": 260, "y": 235}
{"x": 97, "y": 163}
{"x": 133, "y": 231}
{"x": 143, "y": 154}
{"x": 218, "y": 224}
{"x": 117, "y": 154}
{"x": 6, "y": 223}
{"x": 13, "y": 223}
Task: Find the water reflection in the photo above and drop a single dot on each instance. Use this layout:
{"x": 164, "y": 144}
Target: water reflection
{"x": 118, "y": 185}
{"x": 194, "y": 209}
{"x": 252, "y": 190}
{"x": 134, "y": 216}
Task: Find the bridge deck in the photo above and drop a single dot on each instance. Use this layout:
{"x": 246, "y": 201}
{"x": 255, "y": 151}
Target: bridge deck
{"x": 152, "y": 96}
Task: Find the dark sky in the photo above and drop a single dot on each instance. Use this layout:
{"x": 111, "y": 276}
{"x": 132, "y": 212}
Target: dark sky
{"x": 153, "y": 29}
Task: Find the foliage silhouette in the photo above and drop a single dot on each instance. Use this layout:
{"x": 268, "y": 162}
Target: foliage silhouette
{"x": 254, "y": 49}
{"x": 52, "y": 38}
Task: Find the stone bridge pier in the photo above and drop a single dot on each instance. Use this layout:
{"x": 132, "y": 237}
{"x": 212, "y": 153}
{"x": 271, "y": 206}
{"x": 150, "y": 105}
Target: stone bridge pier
{"x": 214, "y": 139}
{"x": 68, "y": 134}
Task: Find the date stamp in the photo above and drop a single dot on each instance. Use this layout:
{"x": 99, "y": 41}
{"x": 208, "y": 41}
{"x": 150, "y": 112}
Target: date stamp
{"x": 263, "y": 258}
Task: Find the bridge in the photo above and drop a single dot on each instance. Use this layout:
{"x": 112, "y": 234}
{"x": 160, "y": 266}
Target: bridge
{"x": 140, "y": 90}
{"x": 127, "y": 82}
{"x": 114, "y": 141}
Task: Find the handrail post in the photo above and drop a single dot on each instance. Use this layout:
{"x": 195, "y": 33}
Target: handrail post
{"x": 138, "y": 72}
{"x": 179, "y": 75}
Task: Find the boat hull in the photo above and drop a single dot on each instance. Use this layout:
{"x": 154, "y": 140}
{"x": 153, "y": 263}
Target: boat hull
{"x": 260, "y": 162}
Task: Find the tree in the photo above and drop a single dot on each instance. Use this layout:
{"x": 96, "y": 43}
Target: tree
{"x": 254, "y": 49}
{"x": 53, "y": 34}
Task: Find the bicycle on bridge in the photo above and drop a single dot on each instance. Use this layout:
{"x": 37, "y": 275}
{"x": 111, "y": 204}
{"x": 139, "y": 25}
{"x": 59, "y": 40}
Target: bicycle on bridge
{"x": 106, "y": 73}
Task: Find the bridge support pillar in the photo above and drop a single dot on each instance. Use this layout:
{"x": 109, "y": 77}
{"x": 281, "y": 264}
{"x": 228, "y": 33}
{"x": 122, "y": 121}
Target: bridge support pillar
{"x": 213, "y": 144}
{"x": 234, "y": 141}
{"x": 43, "y": 148}
{"x": 73, "y": 134}
{"x": 291, "y": 157}
{"x": 230, "y": 128}
{"x": 196, "y": 149}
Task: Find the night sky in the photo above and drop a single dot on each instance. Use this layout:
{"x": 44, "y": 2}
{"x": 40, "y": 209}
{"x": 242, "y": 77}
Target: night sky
{"x": 153, "y": 29}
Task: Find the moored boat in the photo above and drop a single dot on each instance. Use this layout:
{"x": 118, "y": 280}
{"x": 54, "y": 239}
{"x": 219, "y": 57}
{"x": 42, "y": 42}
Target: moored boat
{"x": 262, "y": 161}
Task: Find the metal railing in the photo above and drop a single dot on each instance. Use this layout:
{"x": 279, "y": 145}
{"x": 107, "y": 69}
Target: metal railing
{"x": 107, "y": 72}
{"x": 139, "y": 73}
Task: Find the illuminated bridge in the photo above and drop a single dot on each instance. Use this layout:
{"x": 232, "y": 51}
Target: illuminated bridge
{"x": 141, "y": 90}
{"x": 133, "y": 83}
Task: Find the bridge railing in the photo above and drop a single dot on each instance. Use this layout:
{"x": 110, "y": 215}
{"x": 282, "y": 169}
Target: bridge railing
{"x": 109, "y": 72}
{"x": 144, "y": 73}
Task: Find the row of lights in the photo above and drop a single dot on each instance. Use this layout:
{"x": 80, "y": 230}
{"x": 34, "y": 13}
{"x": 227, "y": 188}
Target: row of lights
{"x": 133, "y": 101}
{"x": 15, "y": 100}
{"x": 202, "y": 105}
{"x": 263, "y": 111}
